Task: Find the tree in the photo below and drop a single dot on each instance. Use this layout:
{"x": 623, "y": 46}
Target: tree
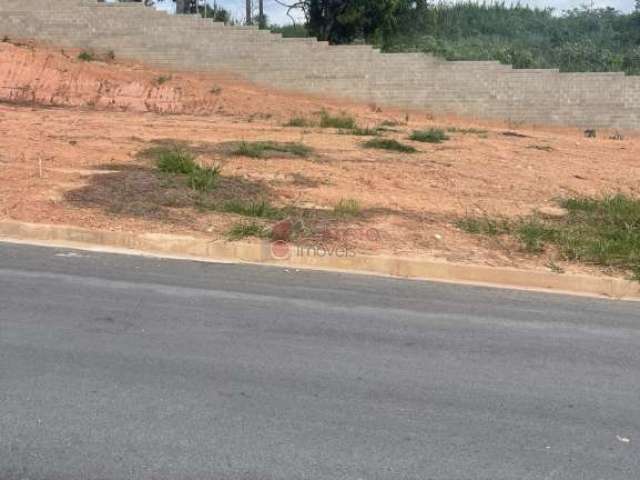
{"x": 342, "y": 21}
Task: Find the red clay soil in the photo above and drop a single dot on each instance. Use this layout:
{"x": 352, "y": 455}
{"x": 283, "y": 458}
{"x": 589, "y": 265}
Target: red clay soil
{"x": 72, "y": 132}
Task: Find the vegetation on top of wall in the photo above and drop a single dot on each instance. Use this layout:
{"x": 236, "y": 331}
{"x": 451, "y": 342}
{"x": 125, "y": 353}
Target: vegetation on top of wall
{"x": 577, "y": 40}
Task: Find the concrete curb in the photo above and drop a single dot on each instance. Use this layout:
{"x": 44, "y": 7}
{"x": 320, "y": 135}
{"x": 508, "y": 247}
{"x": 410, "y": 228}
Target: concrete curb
{"x": 177, "y": 246}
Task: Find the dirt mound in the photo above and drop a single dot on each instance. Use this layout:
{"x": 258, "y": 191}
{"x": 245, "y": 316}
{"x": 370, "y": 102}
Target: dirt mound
{"x": 31, "y": 74}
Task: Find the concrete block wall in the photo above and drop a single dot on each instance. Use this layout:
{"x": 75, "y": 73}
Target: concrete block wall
{"x": 408, "y": 80}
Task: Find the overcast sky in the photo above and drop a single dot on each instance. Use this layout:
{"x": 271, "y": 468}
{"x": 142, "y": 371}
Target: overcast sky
{"x": 277, "y": 13}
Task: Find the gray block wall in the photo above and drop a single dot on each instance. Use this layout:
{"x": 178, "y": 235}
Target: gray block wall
{"x": 359, "y": 72}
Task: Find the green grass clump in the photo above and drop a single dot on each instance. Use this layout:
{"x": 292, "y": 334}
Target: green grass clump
{"x": 389, "y": 144}
{"x": 433, "y": 135}
{"x": 175, "y": 160}
{"x": 299, "y": 122}
{"x": 271, "y": 149}
{"x": 468, "y": 131}
{"x": 86, "y": 56}
{"x": 342, "y": 121}
{"x": 601, "y": 231}
{"x": 255, "y": 209}
{"x": 162, "y": 79}
{"x": 363, "y": 132}
{"x": 243, "y": 230}
{"x": 484, "y": 225}
{"x": 347, "y": 208}
{"x": 204, "y": 179}
{"x": 181, "y": 162}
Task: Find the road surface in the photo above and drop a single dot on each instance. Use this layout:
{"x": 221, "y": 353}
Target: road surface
{"x": 124, "y": 367}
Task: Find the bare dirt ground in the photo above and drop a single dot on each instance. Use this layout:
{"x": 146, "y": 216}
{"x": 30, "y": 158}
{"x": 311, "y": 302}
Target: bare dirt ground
{"x": 72, "y": 132}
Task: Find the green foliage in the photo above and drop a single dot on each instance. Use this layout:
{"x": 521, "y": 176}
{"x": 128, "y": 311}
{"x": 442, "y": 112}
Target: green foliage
{"x": 363, "y": 132}
{"x": 602, "y": 231}
{"x": 291, "y": 31}
{"x": 204, "y": 179}
{"x": 342, "y": 21}
{"x": 299, "y": 122}
{"x": 468, "y": 131}
{"x": 86, "y": 56}
{"x": 215, "y": 12}
{"x": 175, "y": 160}
{"x": 162, "y": 79}
{"x": 433, "y": 135}
{"x": 182, "y": 162}
{"x": 389, "y": 144}
{"x": 268, "y": 149}
{"x": 337, "y": 121}
{"x": 347, "y": 208}
{"x": 243, "y": 230}
{"x": 484, "y": 225}
{"x": 582, "y": 39}
{"x": 255, "y": 209}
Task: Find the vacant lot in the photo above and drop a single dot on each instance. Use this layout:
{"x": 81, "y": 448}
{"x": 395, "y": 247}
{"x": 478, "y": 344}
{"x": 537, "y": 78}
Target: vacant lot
{"x": 82, "y": 144}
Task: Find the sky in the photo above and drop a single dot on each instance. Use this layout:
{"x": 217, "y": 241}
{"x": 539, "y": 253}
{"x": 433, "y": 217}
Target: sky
{"x": 277, "y": 13}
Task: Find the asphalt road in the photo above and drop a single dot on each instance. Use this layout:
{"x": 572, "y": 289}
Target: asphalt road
{"x": 122, "y": 367}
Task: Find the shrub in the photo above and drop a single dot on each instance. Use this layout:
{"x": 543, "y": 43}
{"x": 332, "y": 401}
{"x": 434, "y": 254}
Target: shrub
{"x": 163, "y": 79}
{"x": 389, "y": 144}
{"x": 433, "y": 135}
{"x": 86, "y": 56}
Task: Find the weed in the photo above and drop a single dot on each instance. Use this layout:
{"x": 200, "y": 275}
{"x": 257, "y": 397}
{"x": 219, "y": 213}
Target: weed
{"x": 182, "y": 162}
{"x": 175, "y": 160}
{"x": 363, "y": 132}
{"x": 544, "y": 148}
{"x": 484, "y": 225}
{"x": 347, "y": 208}
{"x": 243, "y": 230}
{"x": 433, "y": 135}
{"x": 268, "y": 149}
{"x": 534, "y": 234}
{"x": 389, "y": 144}
{"x": 204, "y": 179}
{"x": 298, "y": 122}
{"x": 390, "y": 123}
{"x": 162, "y": 79}
{"x": 467, "y": 131}
{"x": 255, "y": 209}
{"x": 343, "y": 121}
{"x": 86, "y": 56}
{"x": 602, "y": 231}
{"x": 215, "y": 90}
